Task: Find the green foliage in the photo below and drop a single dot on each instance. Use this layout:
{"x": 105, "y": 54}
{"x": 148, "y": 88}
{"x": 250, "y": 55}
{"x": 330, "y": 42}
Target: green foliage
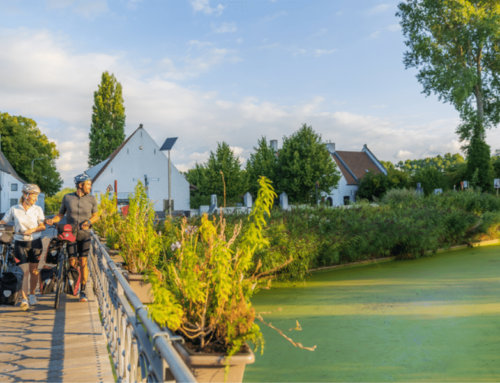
{"x": 136, "y": 236}
{"x": 400, "y": 197}
{"x": 197, "y": 178}
{"x": 225, "y": 161}
{"x": 22, "y": 142}
{"x": 388, "y": 165}
{"x": 109, "y": 219}
{"x": 108, "y": 120}
{"x": 479, "y": 162}
{"x": 376, "y": 185}
{"x": 204, "y": 290}
{"x": 455, "y": 46}
{"x": 53, "y": 203}
{"x": 430, "y": 179}
{"x": 444, "y": 163}
{"x": 302, "y": 162}
{"x": 261, "y": 163}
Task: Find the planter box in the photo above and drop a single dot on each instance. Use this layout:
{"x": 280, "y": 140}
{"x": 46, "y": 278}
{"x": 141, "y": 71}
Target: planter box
{"x": 141, "y": 288}
{"x": 210, "y": 367}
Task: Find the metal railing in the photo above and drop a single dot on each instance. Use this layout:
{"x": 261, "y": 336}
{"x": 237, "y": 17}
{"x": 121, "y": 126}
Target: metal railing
{"x": 141, "y": 351}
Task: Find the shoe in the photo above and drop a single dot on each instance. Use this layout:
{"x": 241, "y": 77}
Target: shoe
{"x": 25, "y": 305}
{"x": 83, "y": 297}
{"x": 32, "y": 300}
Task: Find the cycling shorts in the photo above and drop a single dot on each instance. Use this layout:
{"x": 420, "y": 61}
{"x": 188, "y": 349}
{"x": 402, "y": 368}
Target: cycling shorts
{"x": 28, "y": 251}
{"x": 81, "y": 247}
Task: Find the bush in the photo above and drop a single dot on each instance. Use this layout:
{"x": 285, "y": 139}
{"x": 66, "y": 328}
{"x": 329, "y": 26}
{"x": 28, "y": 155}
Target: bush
{"x": 395, "y": 197}
{"x": 430, "y": 179}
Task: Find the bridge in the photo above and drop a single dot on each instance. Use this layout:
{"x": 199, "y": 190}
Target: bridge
{"x": 107, "y": 339}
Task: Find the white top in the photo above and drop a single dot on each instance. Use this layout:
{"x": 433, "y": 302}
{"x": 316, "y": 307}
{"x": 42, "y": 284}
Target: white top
{"x": 24, "y": 220}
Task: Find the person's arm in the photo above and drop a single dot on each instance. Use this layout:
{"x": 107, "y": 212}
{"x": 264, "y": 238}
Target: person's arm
{"x": 41, "y": 227}
{"x": 57, "y": 218}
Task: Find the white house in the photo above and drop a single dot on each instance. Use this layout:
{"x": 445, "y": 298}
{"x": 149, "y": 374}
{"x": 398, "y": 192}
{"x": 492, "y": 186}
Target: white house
{"x": 353, "y": 167}
{"x": 140, "y": 158}
{"x": 11, "y": 186}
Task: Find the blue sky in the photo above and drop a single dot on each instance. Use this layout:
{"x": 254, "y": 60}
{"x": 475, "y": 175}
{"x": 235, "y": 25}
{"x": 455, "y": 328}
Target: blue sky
{"x": 208, "y": 71}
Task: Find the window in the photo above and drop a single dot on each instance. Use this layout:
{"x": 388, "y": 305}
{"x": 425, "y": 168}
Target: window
{"x": 347, "y": 200}
{"x": 13, "y": 187}
{"x": 329, "y": 201}
{"x": 155, "y": 151}
{"x": 127, "y": 151}
{"x": 111, "y": 170}
{"x": 13, "y": 202}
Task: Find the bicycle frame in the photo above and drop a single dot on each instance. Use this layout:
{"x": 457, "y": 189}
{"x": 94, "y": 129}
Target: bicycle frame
{"x": 62, "y": 260}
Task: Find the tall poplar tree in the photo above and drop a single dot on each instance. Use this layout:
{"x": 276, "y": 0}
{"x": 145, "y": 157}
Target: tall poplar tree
{"x": 108, "y": 120}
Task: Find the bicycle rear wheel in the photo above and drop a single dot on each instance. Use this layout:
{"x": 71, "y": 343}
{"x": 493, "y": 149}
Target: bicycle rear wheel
{"x": 59, "y": 279}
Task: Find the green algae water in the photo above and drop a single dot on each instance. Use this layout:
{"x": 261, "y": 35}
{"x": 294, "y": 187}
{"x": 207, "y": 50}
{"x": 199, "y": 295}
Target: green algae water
{"x": 432, "y": 319}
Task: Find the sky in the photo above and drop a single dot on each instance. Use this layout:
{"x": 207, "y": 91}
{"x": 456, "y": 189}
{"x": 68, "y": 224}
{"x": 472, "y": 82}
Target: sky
{"x": 209, "y": 71}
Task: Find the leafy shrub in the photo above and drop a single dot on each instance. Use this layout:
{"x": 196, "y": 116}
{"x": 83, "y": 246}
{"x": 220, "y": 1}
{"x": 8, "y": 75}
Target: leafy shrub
{"x": 430, "y": 178}
{"x": 396, "y": 197}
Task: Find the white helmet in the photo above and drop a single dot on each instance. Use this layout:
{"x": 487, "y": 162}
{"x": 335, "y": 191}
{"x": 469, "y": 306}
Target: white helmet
{"x": 31, "y": 189}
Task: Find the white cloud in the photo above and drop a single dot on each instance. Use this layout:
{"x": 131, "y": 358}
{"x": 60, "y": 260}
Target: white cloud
{"x": 42, "y": 78}
{"x": 224, "y": 28}
{"x": 321, "y": 52}
{"x": 272, "y": 17}
{"x": 378, "y": 106}
{"x": 239, "y": 41}
{"x": 133, "y": 4}
{"x": 379, "y": 9}
{"x": 374, "y": 35}
{"x": 403, "y": 154}
{"x": 204, "y": 6}
{"x": 394, "y": 28}
{"x": 86, "y": 8}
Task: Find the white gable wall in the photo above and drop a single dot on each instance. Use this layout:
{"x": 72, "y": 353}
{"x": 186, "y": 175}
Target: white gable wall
{"x": 8, "y": 196}
{"x": 343, "y": 190}
{"x": 132, "y": 163}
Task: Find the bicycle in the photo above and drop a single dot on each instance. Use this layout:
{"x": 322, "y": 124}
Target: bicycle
{"x": 59, "y": 251}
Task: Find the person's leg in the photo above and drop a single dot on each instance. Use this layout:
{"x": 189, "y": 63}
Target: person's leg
{"x": 34, "y": 253}
{"x": 72, "y": 253}
{"x": 21, "y": 256}
{"x": 33, "y": 277}
{"x": 84, "y": 271}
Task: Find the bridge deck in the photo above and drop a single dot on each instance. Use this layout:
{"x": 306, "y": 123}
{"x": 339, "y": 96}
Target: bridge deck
{"x": 43, "y": 344}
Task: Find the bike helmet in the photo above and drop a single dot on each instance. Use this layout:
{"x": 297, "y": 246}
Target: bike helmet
{"x": 31, "y": 189}
{"x": 82, "y": 178}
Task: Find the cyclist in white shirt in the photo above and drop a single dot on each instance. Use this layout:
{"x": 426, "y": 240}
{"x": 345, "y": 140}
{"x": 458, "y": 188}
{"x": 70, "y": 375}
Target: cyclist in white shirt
{"x": 28, "y": 219}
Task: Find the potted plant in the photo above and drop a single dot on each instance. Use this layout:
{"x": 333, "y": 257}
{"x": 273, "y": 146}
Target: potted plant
{"x": 203, "y": 293}
{"x": 140, "y": 245}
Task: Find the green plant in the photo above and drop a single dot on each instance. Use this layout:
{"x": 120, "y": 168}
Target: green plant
{"x": 108, "y": 220}
{"x": 139, "y": 242}
{"x": 204, "y": 291}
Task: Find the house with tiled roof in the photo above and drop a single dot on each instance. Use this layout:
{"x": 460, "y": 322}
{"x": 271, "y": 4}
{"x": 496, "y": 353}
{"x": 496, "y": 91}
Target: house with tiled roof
{"x": 139, "y": 158}
{"x": 353, "y": 167}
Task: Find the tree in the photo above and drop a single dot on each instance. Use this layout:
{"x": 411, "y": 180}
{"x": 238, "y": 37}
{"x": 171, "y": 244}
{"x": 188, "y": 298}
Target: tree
{"x": 376, "y": 185}
{"x": 430, "y": 179}
{"x": 302, "y": 162}
{"x": 479, "y": 167}
{"x": 387, "y": 165}
{"x": 455, "y": 45}
{"x": 197, "y": 178}
{"x": 443, "y": 163}
{"x": 22, "y": 142}
{"x": 108, "y": 120}
{"x": 261, "y": 163}
{"x": 224, "y": 160}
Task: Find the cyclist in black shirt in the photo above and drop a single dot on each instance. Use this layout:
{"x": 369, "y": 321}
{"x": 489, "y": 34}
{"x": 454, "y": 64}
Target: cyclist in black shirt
{"x": 80, "y": 209}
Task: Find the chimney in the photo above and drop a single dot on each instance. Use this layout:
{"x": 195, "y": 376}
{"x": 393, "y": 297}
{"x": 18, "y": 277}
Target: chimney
{"x": 274, "y": 145}
{"x": 330, "y": 146}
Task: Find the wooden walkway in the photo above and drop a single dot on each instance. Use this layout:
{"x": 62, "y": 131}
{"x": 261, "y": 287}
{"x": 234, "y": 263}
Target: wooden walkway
{"x": 47, "y": 345}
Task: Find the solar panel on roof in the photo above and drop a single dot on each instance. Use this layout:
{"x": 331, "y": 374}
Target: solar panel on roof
{"x": 169, "y": 143}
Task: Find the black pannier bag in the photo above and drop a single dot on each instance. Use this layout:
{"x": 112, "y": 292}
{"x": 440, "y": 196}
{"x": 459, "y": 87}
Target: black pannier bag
{"x": 11, "y": 284}
{"x": 53, "y": 250}
{"x": 47, "y": 283}
{"x": 72, "y": 281}
{"x": 6, "y": 235}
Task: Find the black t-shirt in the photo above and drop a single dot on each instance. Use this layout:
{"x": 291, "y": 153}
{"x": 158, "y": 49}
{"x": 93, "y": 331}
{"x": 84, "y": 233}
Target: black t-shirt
{"x": 78, "y": 209}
